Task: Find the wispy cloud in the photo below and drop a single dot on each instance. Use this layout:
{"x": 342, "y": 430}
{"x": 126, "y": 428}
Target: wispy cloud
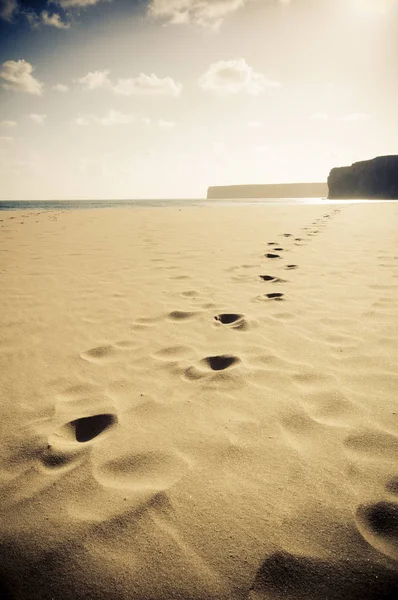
{"x": 17, "y": 76}
{"x": 234, "y": 77}
{"x": 141, "y": 85}
{"x": 207, "y": 13}
{"x": 147, "y": 84}
{"x": 60, "y": 87}
{"x": 36, "y": 118}
{"x": 53, "y": 20}
{"x": 95, "y": 80}
{"x": 8, "y": 9}
{"x": 8, "y": 124}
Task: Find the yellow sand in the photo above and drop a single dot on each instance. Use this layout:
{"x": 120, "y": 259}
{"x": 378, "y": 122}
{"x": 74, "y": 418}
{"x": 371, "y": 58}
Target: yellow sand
{"x": 150, "y": 451}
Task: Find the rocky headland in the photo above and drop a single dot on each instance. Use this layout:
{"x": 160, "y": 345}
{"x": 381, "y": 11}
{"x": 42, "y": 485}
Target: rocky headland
{"x": 376, "y": 178}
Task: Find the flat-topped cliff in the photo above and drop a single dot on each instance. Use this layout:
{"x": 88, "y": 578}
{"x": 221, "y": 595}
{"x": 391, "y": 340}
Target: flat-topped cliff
{"x": 276, "y": 190}
{"x": 376, "y": 178}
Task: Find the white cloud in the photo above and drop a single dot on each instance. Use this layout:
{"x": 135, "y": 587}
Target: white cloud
{"x": 234, "y": 77}
{"x": 53, "y": 20}
{"x": 8, "y": 8}
{"x": 39, "y": 119}
{"x": 166, "y": 124}
{"x": 141, "y": 85}
{"x": 17, "y": 76}
{"x": 208, "y": 13}
{"x": 147, "y": 84}
{"x": 60, "y": 87}
{"x": 8, "y": 124}
{"x": 95, "y": 80}
{"x": 8, "y": 139}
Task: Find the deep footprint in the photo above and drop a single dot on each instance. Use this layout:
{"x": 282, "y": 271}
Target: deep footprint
{"x": 270, "y": 255}
{"x": 86, "y": 429}
{"x": 275, "y": 296}
{"x": 228, "y": 318}
{"x": 221, "y": 362}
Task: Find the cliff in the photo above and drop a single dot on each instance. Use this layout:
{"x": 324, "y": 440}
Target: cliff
{"x": 278, "y": 190}
{"x": 376, "y": 178}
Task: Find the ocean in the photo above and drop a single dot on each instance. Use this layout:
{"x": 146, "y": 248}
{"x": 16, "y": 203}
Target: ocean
{"x": 59, "y": 205}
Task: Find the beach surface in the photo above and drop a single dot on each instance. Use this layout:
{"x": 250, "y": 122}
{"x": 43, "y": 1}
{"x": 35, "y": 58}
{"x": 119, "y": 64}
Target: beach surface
{"x": 199, "y": 403}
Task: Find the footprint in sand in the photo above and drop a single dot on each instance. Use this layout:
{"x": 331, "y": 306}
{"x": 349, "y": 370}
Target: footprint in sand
{"x": 107, "y": 353}
{"x": 290, "y": 267}
{"x": 287, "y": 235}
{"x": 152, "y": 471}
{"x": 271, "y": 255}
{"x": 182, "y": 315}
{"x": 232, "y": 320}
{"x": 275, "y": 296}
{"x": 190, "y": 294}
{"x": 100, "y": 354}
{"x": 67, "y": 445}
{"x": 373, "y": 445}
{"x": 284, "y": 575}
{"x": 144, "y": 322}
{"x": 378, "y": 525}
{"x": 83, "y": 429}
{"x": 220, "y": 362}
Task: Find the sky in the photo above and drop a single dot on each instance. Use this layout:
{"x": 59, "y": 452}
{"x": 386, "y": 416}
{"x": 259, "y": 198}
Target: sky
{"x": 163, "y": 98}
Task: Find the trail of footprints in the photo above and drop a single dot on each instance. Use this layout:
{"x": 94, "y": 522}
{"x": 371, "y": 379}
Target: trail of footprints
{"x": 377, "y": 523}
{"x": 87, "y": 428}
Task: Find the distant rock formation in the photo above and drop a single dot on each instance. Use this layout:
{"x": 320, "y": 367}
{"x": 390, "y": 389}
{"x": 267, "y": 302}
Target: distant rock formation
{"x": 277, "y": 190}
{"x": 376, "y": 178}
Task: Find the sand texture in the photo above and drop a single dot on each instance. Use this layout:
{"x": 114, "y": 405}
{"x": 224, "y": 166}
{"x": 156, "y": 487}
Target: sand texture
{"x": 199, "y": 403}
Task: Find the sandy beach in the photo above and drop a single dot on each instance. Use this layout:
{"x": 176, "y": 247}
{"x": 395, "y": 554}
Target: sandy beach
{"x": 199, "y": 403}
